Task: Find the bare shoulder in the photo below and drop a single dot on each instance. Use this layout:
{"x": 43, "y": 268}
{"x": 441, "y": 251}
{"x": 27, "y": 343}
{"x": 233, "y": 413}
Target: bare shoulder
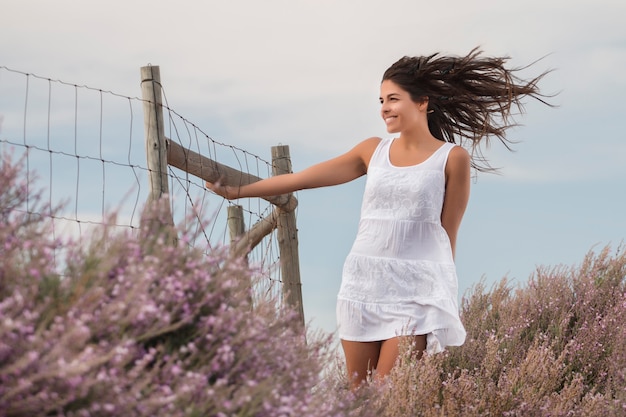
{"x": 366, "y": 148}
{"x": 369, "y": 143}
{"x": 459, "y": 154}
{"x": 459, "y": 161}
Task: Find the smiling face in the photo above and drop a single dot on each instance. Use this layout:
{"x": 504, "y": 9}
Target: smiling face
{"x": 399, "y": 111}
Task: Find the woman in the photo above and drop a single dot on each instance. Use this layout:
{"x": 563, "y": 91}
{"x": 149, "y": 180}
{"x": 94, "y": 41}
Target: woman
{"x": 399, "y": 279}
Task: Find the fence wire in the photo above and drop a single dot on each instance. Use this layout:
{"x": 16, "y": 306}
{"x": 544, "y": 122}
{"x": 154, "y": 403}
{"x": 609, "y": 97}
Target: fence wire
{"x": 85, "y": 148}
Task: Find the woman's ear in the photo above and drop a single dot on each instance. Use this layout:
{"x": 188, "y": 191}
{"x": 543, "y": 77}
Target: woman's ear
{"x": 423, "y": 104}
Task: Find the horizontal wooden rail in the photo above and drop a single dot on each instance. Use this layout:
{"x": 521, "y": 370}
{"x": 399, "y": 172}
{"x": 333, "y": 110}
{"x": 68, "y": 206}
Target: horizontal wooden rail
{"x": 212, "y": 171}
{"x": 253, "y": 237}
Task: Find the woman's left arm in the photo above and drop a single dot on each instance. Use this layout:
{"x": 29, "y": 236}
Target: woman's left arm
{"x": 457, "y": 192}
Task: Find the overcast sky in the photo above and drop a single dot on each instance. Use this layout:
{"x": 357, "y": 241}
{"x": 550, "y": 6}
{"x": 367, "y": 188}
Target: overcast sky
{"x": 306, "y": 74}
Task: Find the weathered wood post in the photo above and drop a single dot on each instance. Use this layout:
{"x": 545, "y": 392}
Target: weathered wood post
{"x": 154, "y": 130}
{"x": 236, "y": 226}
{"x": 237, "y": 229}
{"x": 288, "y": 239}
{"x": 156, "y": 148}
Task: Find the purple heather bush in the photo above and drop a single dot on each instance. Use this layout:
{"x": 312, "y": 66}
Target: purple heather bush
{"x": 140, "y": 324}
{"x": 552, "y": 347}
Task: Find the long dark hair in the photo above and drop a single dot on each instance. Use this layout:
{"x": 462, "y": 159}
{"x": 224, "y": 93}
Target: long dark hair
{"x": 469, "y": 97}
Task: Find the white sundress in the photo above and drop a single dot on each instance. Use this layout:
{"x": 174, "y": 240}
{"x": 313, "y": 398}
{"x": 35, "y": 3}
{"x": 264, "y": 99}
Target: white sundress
{"x": 399, "y": 277}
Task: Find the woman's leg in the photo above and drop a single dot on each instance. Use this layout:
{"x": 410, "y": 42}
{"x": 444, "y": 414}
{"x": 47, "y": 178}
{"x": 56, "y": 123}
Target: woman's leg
{"x": 389, "y": 351}
{"x": 365, "y": 357}
{"x": 361, "y": 358}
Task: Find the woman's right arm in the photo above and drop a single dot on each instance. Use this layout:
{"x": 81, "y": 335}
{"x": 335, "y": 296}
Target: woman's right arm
{"x": 339, "y": 170}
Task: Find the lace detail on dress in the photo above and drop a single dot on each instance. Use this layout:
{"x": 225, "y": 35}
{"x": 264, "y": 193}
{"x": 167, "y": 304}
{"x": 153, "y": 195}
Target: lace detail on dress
{"x": 389, "y": 281}
{"x": 388, "y": 195}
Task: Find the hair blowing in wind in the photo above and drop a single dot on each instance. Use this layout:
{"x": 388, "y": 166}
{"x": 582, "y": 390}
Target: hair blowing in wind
{"x": 470, "y": 97}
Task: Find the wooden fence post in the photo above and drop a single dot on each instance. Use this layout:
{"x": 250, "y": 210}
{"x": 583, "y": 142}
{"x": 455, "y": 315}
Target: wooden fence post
{"x": 237, "y": 229}
{"x": 236, "y": 226}
{"x": 156, "y": 148}
{"x": 154, "y": 129}
{"x": 288, "y": 240}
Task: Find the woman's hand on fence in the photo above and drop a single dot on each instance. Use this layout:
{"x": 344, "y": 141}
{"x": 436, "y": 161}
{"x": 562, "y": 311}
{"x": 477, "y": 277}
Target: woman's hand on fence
{"x": 225, "y": 191}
